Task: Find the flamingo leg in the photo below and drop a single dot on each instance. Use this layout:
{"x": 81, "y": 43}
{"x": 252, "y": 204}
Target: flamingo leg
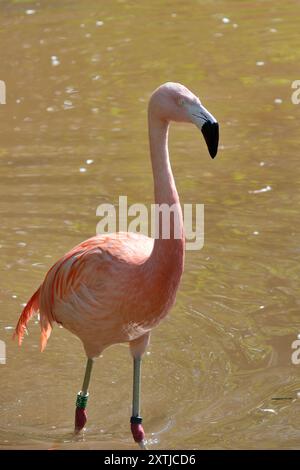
{"x": 82, "y": 398}
{"x": 136, "y": 420}
{"x": 136, "y": 396}
{"x": 137, "y": 348}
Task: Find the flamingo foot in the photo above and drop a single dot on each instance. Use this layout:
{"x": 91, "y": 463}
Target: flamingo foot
{"x": 137, "y": 431}
{"x": 80, "y": 412}
{"x": 80, "y": 419}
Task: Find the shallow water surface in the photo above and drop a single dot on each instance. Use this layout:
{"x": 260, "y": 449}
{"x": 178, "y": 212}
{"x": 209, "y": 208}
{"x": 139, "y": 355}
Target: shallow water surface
{"x": 74, "y": 135}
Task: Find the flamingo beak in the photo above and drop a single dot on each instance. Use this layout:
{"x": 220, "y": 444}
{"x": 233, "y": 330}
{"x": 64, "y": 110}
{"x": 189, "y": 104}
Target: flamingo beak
{"x": 210, "y": 131}
{"x": 208, "y": 125}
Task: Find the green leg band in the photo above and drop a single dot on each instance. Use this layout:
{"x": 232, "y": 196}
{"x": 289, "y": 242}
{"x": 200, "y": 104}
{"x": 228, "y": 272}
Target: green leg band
{"x": 81, "y": 400}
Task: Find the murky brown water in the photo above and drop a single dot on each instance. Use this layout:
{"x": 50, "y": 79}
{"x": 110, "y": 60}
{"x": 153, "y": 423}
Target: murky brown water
{"x": 78, "y": 91}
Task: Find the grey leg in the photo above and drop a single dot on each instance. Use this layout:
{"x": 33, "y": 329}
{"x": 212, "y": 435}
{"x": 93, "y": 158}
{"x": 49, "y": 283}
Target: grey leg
{"x": 137, "y": 429}
{"x": 87, "y": 376}
{"x": 82, "y": 398}
{"x": 136, "y": 395}
{"x": 137, "y": 348}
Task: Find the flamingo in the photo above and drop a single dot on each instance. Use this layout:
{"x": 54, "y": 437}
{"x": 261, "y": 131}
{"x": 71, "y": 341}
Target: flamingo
{"x": 115, "y": 288}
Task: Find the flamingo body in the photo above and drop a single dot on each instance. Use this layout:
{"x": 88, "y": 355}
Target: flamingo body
{"x": 104, "y": 292}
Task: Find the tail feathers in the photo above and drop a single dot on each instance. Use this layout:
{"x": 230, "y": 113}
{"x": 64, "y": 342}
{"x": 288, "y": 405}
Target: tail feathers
{"x": 46, "y": 329}
{"x": 31, "y": 307}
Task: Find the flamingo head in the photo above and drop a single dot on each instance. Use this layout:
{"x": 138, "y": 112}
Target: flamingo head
{"x": 175, "y": 102}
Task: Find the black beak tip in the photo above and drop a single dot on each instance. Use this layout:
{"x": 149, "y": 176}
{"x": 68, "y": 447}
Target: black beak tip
{"x": 210, "y": 131}
{"x": 213, "y": 153}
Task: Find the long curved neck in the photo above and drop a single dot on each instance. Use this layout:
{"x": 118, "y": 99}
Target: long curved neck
{"x": 164, "y": 184}
{"x": 168, "y": 253}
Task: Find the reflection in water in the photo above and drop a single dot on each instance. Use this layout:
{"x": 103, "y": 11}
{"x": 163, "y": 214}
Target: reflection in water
{"x": 74, "y": 135}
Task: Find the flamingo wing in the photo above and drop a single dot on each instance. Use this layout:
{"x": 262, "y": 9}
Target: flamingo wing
{"x": 84, "y": 288}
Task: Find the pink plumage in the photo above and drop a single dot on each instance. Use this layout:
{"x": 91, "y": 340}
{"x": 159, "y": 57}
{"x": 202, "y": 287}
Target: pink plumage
{"x": 107, "y": 290}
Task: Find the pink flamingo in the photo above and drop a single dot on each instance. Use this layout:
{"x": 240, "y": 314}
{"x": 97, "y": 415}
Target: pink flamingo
{"x": 115, "y": 288}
